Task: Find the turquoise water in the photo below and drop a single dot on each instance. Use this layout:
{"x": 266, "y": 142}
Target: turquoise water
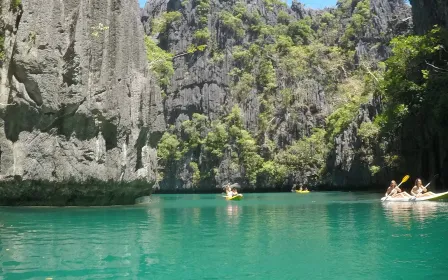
{"x": 264, "y": 236}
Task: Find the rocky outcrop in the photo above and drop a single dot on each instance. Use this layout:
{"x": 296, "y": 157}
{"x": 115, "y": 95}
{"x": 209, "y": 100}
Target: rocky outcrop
{"x": 427, "y": 13}
{"x": 78, "y": 105}
{"x": 418, "y": 143}
{"x": 202, "y": 84}
{"x": 345, "y": 166}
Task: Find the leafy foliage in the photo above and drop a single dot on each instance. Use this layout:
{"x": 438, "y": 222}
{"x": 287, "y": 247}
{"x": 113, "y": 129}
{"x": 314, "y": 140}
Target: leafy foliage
{"x": 359, "y": 22}
{"x": 202, "y": 10}
{"x": 300, "y": 31}
{"x": 244, "y": 86}
{"x": 233, "y": 23}
{"x": 202, "y": 35}
{"x": 15, "y": 4}
{"x": 414, "y": 84}
{"x": 160, "y": 24}
{"x": 306, "y": 155}
{"x": 168, "y": 148}
{"x": 217, "y": 139}
{"x": 271, "y": 3}
{"x": 160, "y": 61}
{"x": 283, "y": 68}
{"x": 368, "y": 131}
{"x": 196, "y": 173}
{"x": 194, "y": 130}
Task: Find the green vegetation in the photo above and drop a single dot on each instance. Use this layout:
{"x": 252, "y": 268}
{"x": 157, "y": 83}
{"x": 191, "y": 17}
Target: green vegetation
{"x": 216, "y": 140}
{"x": 233, "y": 23}
{"x": 284, "y": 18}
{"x": 15, "y": 4}
{"x": 271, "y": 3}
{"x": 193, "y": 48}
{"x": 2, "y": 48}
{"x": 160, "y": 62}
{"x": 368, "y": 131}
{"x": 196, "y": 177}
{"x": 414, "y": 91}
{"x": 307, "y": 155}
{"x": 284, "y": 70}
{"x": 201, "y": 36}
{"x": 160, "y": 24}
{"x": 167, "y": 149}
{"x": 359, "y": 22}
{"x": 243, "y": 87}
{"x": 300, "y": 31}
{"x": 194, "y": 130}
{"x": 202, "y": 10}
{"x": 414, "y": 83}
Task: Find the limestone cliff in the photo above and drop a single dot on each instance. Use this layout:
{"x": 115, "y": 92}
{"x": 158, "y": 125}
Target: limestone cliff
{"x": 78, "y": 106}
{"x": 284, "y": 67}
{"x": 427, "y": 13}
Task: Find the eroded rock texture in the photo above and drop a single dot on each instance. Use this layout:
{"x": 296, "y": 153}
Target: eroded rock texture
{"x": 203, "y": 85}
{"x": 78, "y": 104}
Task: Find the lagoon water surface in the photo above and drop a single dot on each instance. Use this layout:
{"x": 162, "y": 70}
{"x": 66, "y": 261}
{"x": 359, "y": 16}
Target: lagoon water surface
{"x": 264, "y": 236}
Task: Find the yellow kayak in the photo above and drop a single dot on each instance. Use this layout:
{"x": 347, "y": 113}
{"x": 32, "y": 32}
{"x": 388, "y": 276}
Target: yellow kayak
{"x": 302, "y": 191}
{"x": 236, "y": 197}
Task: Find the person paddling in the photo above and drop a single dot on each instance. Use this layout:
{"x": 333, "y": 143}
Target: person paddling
{"x": 229, "y": 192}
{"x": 419, "y": 190}
{"x": 395, "y": 191}
{"x": 234, "y": 192}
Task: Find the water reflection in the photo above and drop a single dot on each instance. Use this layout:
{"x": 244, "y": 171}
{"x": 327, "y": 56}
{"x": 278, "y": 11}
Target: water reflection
{"x": 188, "y": 237}
{"x": 232, "y": 210}
{"x": 402, "y": 213}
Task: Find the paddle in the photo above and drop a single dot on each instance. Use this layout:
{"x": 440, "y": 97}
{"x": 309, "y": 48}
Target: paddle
{"x": 235, "y": 185}
{"x": 405, "y": 178}
{"x": 432, "y": 180}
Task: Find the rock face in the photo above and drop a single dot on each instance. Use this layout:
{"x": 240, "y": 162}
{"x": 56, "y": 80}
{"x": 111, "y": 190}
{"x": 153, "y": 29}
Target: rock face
{"x": 427, "y": 13}
{"x": 78, "y": 105}
{"x": 419, "y": 142}
{"x": 203, "y": 85}
{"x": 345, "y": 166}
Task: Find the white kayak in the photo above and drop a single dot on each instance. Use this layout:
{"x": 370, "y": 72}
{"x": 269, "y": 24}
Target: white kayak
{"x": 435, "y": 197}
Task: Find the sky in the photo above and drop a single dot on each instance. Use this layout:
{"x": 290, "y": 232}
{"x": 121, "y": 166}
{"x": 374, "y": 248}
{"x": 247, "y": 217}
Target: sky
{"x": 308, "y": 3}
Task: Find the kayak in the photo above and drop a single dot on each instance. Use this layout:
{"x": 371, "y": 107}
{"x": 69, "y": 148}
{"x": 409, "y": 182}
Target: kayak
{"x": 435, "y": 197}
{"x": 302, "y": 191}
{"x": 236, "y": 197}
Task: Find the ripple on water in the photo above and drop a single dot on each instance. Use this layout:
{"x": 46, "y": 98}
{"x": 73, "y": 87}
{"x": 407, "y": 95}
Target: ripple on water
{"x": 264, "y": 236}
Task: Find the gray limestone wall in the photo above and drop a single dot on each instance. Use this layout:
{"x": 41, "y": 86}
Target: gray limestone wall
{"x": 78, "y": 106}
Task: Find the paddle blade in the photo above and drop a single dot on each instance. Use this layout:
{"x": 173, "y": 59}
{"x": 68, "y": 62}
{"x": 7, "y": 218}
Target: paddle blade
{"x": 405, "y": 178}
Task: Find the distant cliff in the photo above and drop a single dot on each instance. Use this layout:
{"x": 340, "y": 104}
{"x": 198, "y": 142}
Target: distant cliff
{"x": 100, "y": 100}
{"x": 77, "y": 104}
{"x": 251, "y": 81}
